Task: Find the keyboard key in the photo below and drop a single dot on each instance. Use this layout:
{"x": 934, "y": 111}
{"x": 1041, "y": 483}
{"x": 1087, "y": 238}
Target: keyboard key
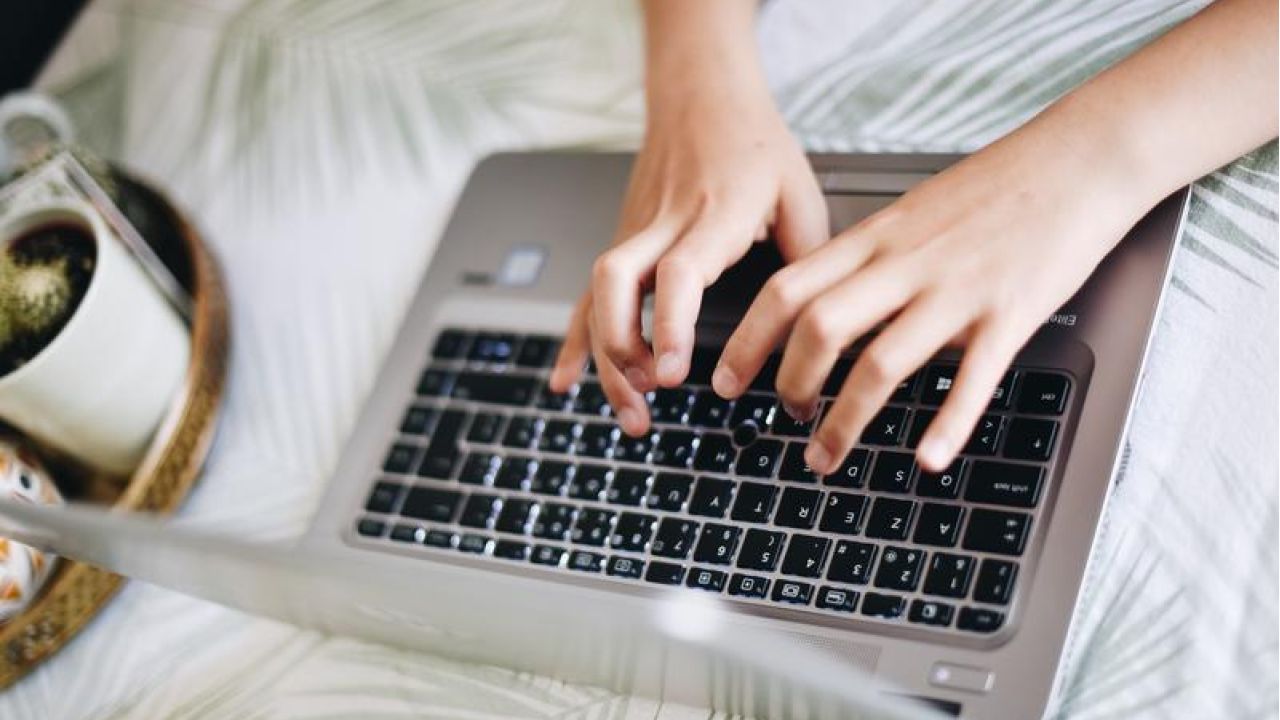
{"x": 546, "y": 555}
{"x": 515, "y": 473}
{"x": 887, "y": 427}
{"x": 805, "y": 556}
{"x": 750, "y": 586}
{"x": 625, "y": 567}
{"x": 787, "y": 426}
{"x": 843, "y": 513}
{"x": 704, "y": 579}
{"x": 494, "y": 389}
{"x": 435, "y": 383}
{"x": 632, "y": 532}
{"x": 837, "y": 599}
{"x": 892, "y": 471}
{"x": 992, "y": 531}
{"x": 715, "y": 453}
{"x": 674, "y": 538}
{"x": 470, "y": 543}
{"x": 674, "y": 449}
{"x": 920, "y": 420}
{"x": 589, "y": 482}
{"x": 591, "y": 400}
{"x": 949, "y": 575}
{"x": 882, "y": 606}
{"x": 485, "y": 428}
{"x": 585, "y": 561}
{"x": 754, "y": 503}
{"x": 937, "y": 383}
{"x": 442, "y": 454}
{"x": 791, "y": 591}
{"x": 628, "y": 487}
{"x": 634, "y": 449}
{"x": 551, "y": 477}
{"x": 514, "y": 516}
{"x": 1030, "y": 439}
{"x": 995, "y": 582}
{"x": 716, "y": 544}
{"x": 548, "y": 399}
{"x": 400, "y": 458}
{"x": 890, "y": 518}
{"x": 758, "y": 409}
{"x": 709, "y": 410}
{"x": 852, "y": 471}
{"x": 431, "y": 504}
{"x": 798, "y": 508}
{"x": 553, "y": 522}
{"x": 557, "y": 436}
{"x": 669, "y": 492}
{"x": 701, "y": 365}
{"x": 417, "y": 420}
{"x": 986, "y": 436}
{"x": 794, "y": 468}
{"x": 929, "y": 612}
{"x": 408, "y": 534}
{"x": 759, "y": 459}
{"x": 1002, "y": 396}
{"x": 370, "y": 527}
{"x": 664, "y": 573}
{"x": 711, "y": 497}
{"x": 839, "y": 371}
{"x": 592, "y": 527}
{"x": 767, "y": 379}
{"x": 522, "y": 432}
{"x": 511, "y": 550}
{"x": 851, "y": 562}
{"x": 596, "y": 440}
{"x": 760, "y": 550}
{"x": 496, "y": 348}
{"x": 945, "y": 484}
{"x": 938, "y": 525}
{"x": 477, "y": 511}
{"x": 906, "y": 389}
{"x": 899, "y": 568}
{"x": 537, "y": 351}
{"x": 440, "y": 539}
{"x": 997, "y": 483}
{"x": 671, "y": 405}
{"x": 1043, "y": 393}
{"x": 980, "y": 620}
{"x": 745, "y": 433}
{"x": 450, "y": 345}
{"x": 383, "y": 497}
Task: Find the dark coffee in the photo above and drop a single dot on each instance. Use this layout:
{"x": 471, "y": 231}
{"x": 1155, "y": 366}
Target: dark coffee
{"x": 44, "y": 274}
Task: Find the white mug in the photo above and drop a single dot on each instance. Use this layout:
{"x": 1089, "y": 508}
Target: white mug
{"x": 101, "y": 387}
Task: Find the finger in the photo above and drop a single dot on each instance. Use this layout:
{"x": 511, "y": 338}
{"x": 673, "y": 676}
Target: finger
{"x": 905, "y": 344}
{"x": 617, "y": 289}
{"x": 574, "y": 351}
{"x": 984, "y": 364}
{"x": 629, "y": 406}
{"x": 776, "y": 307}
{"x": 802, "y": 224}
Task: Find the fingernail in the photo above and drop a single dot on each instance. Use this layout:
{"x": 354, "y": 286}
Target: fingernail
{"x": 817, "y": 457}
{"x": 932, "y": 452}
{"x": 803, "y": 414}
{"x": 724, "y": 381}
{"x": 669, "y": 367}
{"x": 629, "y": 419}
{"x": 638, "y": 378}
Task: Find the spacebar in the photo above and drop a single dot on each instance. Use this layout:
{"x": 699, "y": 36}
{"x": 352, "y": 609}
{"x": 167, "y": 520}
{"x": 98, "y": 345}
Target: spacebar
{"x": 495, "y": 389}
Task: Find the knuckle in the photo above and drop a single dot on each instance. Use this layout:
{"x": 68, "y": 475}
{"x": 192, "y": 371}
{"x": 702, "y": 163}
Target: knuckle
{"x": 880, "y": 366}
{"x": 819, "y": 326}
{"x": 782, "y": 291}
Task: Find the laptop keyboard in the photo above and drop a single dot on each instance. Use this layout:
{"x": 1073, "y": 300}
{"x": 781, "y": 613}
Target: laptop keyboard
{"x": 717, "y": 496}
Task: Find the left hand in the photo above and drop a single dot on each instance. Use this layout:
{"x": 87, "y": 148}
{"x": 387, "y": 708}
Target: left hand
{"x": 979, "y": 255}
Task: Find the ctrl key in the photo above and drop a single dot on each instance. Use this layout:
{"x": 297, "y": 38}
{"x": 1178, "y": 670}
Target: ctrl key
{"x": 882, "y": 606}
{"x": 664, "y": 573}
{"x": 369, "y": 527}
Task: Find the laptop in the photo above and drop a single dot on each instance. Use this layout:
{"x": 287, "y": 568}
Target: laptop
{"x": 957, "y": 587}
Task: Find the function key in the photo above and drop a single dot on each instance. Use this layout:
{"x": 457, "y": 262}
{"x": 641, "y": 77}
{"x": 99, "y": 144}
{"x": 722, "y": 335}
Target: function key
{"x": 887, "y": 427}
{"x": 716, "y": 544}
{"x": 993, "y": 531}
{"x": 997, "y": 483}
{"x": 624, "y": 567}
{"x": 1043, "y": 393}
{"x": 882, "y": 606}
{"x": 995, "y": 581}
{"x": 985, "y": 436}
{"x": 592, "y": 527}
{"x": 937, "y": 383}
{"x": 890, "y": 518}
{"x": 711, "y": 497}
{"x": 794, "y": 468}
{"x": 791, "y": 591}
{"x": 852, "y": 471}
{"x": 664, "y": 573}
{"x": 945, "y": 484}
{"x": 671, "y": 405}
{"x": 370, "y": 527}
{"x": 843, "y": 513}
{"x": 715, "y": 453}
{"x": 537, "y": 351}
{"x": 511, "y": 550}
{"x": 704, "y": 579}
{"x": 900, "y": 568}
{"x": 805, "y": 556}
{"x": 938, "y": 525}
{"x": 400, "y": 458}
{"x": 928, "y": 612}
{"x": 674, "y": 538}
{"x": 893, "y": 471}
{"x": 980, "y": 620}
{"x": 798, "y": 508}
{"x": 669, "y": 492}
{"x": 431, "y": 504}
{"x": 760, "y": 550}
{"x": 546, "y": 555}
{"x": 754, "y": 503}
{"x": 442, "y": 453}
{"x": 585, "y": 561}
{"x": 837, "y": 599}
{"x": 709, "y": 410}
{"x": 450, "y": 345}
{"x": 596, "y": 440}
{"x": 383, "y": 497}
{"x": 496, "y": 348}
{"x": 417, "y": 420}
{"x": 750, "y": 586}
{"x": 949, "y": 575}
{"x": 1002, "y": 396}
{"x": 851, "y": 562}
{"x": 1030, "y": 439}
{"x": 435, "y": 383}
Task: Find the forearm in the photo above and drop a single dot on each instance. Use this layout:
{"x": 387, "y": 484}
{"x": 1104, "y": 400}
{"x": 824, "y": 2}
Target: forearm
{"x": 696, "y": 47}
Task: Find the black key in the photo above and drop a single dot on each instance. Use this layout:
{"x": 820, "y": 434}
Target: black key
{"x": 634, "y": 449}
{"x": 760, "y": 459}
{"x": 548, "y": 399}
{"x": 511, "y": 550}
{"x": 632, "y": 532}
{"x": 945, "y": 484}
{"x": 758, "y": 409}
{"x": 843, "y": 513}
{"x": 986, "y": 436}
{"x": 751, "y": 586}
{"x": 980, "y": 620}
{"x": 997, "y": 483}
{"x": 937, "y": 383}
{"x": 1002, "y": 396}
{"x": 473, "y": 543}
{"x": 628, "y": 487}
{"x": 899, "y": 568}
{"x": 794, "y": 468}
{"x": 949, "y": 575}
{"x": 992, "y": 531}
{"x": 557, "y": 436}
{"x": 838, "y": 599}
{"x": 440, "y": 539}
{"x": 906, "y": 389}
{"x": 495, "y": 389}
{"x": 400, "y": 458}
{"x": 477, "y": 511}
{"x": 497, "y": 348}
{"x": 435, "y": 383}
{"x": 596, "y": 440}
{"x": 383, "y": 497}
{"x": 767, "y": 378}
{"x": 704, "y": 579}
{"x": 839, "y": 371}
{"x": 537, "y": 351}
{"x": 711, "y": 497}
{"x": 521, "y": 432}
{"x": 784, "y": 424}
{"x": 852, "y": 471}
{"x": 515, "y": 473}
{"x": 798, "y": 508}
{"x": 591, "y": 400}
{"x": 442, "y": 454}
{"x": 745, "y": 433}
{"x": 805, "y": 556}
{"x": 674, "y": 448}
{"x": 887, "y": 427}
{"x": 995, "y": 581}
{"x": 589, "y": 482}
{"x": 709, "y": 410}
{"x": 479, "y": 468}
{"x": 760, "y": 550}
{"x": 892, "y": 471}
{"x": 514, "y": 516}
{"x": 754, "y": 503}
{"x": 485, "y": 428}
{"x": 592, "y": 527}
{"x": 919, "y": 423}
{"x": 928, "y": 612}
{"x": 715, "y": 453}
{"x": 674, "y": 538}
{"x": 851, "y": 562}
{"x": 546, "y": 555}
{"x": 716, "y": 544}
{"x": 890, "y": 518}
{"x": 551, "y": 477}
{"x": 585, "y": 561}
{"x": 553, "y": 522}
{"x": 417, "y": 420}
{"x": 1030, "y": 439}
{"x": 450, "y": 345}
{"x": 664, "y": 573}
{"x": 669, "y": 491}
{"x": 369, "y": 527}
{"x": 408, "y": 534}
{"x": 625, "y": 567}
{"x": 791, "y": 591}
{"x": 938, "y": 525}
{"x": 671, "y": 405}
{"x": 882, "y": 606}
{"x": 1043, "y": 393}
{"x": 702, "y": 365}
{"x": 431, "y": 504}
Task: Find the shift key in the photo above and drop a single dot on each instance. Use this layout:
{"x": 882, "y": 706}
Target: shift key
{"x": 998, "y": 483}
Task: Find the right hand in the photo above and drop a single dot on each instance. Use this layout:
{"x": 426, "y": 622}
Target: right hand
{"x": 718, "y": 170}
